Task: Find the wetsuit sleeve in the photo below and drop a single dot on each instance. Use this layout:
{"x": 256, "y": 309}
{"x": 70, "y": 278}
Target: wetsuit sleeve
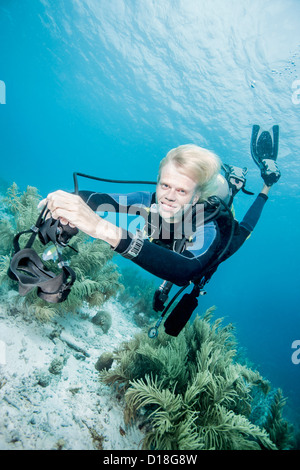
{"x": 121, "y": 203}
{"x": 248, "y": 223}
{"x": 179, "y": 268}
{"x": 252, "y": 216}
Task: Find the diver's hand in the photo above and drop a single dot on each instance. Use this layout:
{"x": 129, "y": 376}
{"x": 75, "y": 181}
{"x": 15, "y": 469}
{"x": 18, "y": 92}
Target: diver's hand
{"x": 270, "y": 172}
{"x": 71, "y": 209}
{"x": 41, "y": 206}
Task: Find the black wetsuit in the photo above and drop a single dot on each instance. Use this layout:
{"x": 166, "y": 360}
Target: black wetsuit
{"x": 154, "y": 257}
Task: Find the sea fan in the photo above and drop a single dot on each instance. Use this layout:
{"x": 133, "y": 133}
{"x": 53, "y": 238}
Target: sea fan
{"x": 193, "y": 393}
{"x": 97, "y": 277}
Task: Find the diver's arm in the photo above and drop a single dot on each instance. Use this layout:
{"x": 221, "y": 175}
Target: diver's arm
{"x": 254, "y": 212}
{"x": 115, "y": 202}
{"x": 71, "y": 209}
{"x": 160, "y": 261}
{"x": 79, "y": 211}
{"x": 249, "y": 221}
{"x": 108, "y": 232}
{"x": 133, "y": 203}
{"x": 265, "y": 190}
{"x": 178, "y": 268}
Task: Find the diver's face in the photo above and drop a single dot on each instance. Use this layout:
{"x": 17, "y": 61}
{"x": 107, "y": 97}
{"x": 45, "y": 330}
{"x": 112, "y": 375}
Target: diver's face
{"x": 173, "y": 191}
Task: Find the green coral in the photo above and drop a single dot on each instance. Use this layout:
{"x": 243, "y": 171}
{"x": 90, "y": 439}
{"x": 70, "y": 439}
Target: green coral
{"x": 193, "y": 393}
{"x": 97, "y": 278}
{"x": 280, "y": 431}
{"x": 103, "y": 319}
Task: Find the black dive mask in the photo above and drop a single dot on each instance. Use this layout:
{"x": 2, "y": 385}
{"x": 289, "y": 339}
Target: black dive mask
{"x": 27, "y": 268}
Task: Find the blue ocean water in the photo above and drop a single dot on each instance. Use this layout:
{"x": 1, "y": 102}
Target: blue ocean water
{"x": 107, "y": 88}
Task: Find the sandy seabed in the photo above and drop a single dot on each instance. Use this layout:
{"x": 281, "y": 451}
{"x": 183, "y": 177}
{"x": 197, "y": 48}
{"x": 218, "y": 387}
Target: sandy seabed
{"x": 70, "y": 409}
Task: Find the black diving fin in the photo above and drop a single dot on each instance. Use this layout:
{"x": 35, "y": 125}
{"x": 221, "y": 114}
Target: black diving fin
{"x": 264, "y": 151}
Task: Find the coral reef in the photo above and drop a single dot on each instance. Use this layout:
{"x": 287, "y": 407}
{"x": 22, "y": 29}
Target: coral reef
{"x": 103, "y": 319}
{"x": 104, "y": 362}
{"x": 279, "y": 429}
{"x": 192, "y": 392}
{"x": 97, "y": 278}
{"x": 56, "y": 366}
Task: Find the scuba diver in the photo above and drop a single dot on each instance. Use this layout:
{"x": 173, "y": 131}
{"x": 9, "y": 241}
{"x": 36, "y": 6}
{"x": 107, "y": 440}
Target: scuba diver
{"x": 189, "y": 225}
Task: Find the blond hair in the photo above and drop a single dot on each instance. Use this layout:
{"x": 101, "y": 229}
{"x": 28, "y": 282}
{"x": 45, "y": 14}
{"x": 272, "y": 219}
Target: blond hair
{"x": 200, "y": 164}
